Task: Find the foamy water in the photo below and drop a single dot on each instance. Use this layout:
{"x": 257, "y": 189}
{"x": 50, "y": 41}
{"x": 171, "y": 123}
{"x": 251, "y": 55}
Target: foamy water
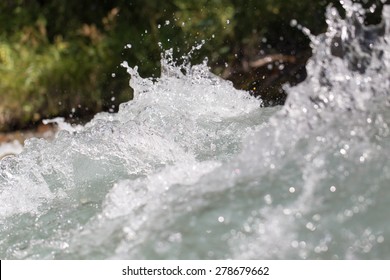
{"x": 10, "y": 148}
{"x": 193, "y": 168}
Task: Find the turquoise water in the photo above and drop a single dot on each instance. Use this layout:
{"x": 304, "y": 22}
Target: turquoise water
{"x": 193, "y": 168}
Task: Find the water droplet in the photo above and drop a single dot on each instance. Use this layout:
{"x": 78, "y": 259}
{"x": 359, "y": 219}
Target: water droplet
{"x": 175, "y": 237}
{"x": 294, "y": 244}
{"x": 316, "y": 217}
{"x": 247, "y": 228}
{"x": 268, "y": 199}
{"x": 310, "y": 226}
{"x": 348, "y": 213}
{"x": 293, "y": 23}
{"x": 380, "y": 239}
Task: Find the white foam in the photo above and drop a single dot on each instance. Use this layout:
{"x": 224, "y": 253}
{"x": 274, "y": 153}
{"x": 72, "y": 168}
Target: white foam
{"x": 10, "y": 148}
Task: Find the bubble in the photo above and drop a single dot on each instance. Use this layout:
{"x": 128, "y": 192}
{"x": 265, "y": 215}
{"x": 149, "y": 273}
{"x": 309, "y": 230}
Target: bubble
{"x": 310, "y": 226}
{"x": 295, "y": 244}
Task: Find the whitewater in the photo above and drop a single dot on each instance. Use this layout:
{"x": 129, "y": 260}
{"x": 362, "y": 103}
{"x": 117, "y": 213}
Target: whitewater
{"x": 193, "y": 168}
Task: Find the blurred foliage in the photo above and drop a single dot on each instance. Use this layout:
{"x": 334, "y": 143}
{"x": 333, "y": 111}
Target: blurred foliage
{"x": 62, "y": 57}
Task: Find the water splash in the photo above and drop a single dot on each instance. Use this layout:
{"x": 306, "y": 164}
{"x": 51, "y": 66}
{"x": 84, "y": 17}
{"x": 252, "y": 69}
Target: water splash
{"x": 192, "y": 168}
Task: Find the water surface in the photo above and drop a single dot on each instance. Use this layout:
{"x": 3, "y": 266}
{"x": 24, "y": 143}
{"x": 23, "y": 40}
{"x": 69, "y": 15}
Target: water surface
{"x": 193, "y": 168}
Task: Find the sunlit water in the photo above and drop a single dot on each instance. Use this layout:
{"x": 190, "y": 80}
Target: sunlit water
{"x": 193, "y": 168}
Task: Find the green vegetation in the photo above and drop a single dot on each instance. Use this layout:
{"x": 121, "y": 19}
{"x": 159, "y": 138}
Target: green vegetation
{"x": 62, "y": 57}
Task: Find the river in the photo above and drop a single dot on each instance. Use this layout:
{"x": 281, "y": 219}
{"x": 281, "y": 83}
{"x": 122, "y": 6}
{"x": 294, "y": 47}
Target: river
{"x": 194, "y": 169}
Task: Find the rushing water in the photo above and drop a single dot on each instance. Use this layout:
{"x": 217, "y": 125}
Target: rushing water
{"x": 193, "y": 168}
